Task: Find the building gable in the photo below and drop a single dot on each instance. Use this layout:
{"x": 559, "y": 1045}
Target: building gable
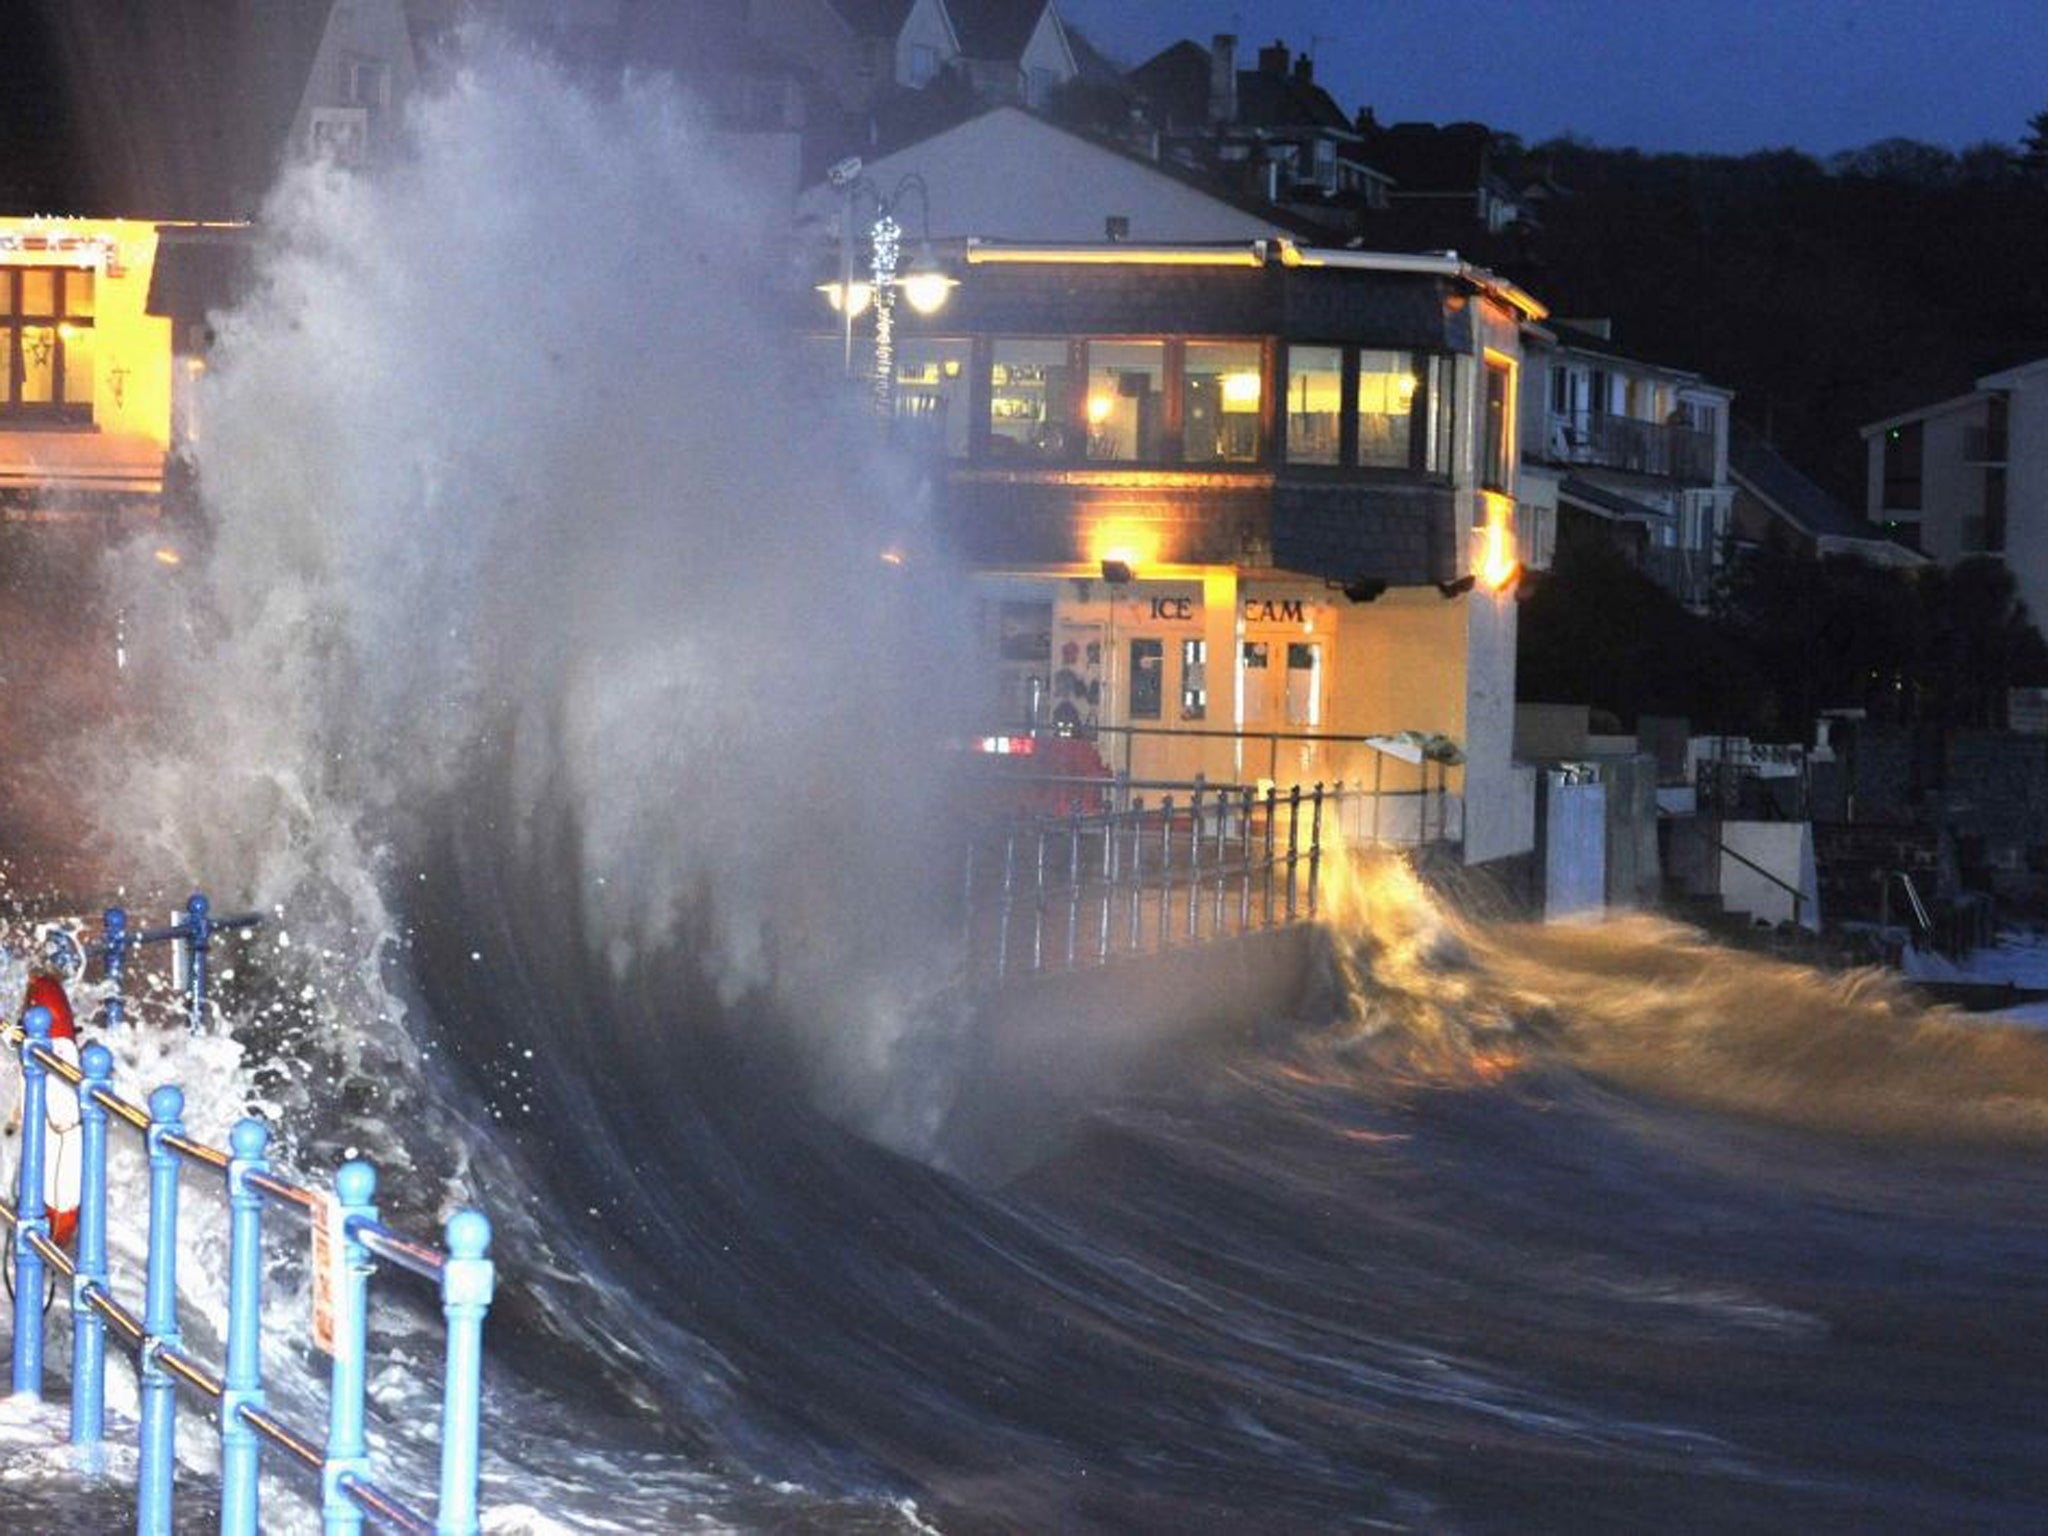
{"x": 1009, "y": 175}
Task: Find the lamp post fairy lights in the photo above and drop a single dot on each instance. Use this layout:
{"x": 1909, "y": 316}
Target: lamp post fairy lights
{"x": 925, "y": 286}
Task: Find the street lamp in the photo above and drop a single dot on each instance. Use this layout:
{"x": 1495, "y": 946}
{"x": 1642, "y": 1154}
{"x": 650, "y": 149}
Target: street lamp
{"x": 926, "y": 286}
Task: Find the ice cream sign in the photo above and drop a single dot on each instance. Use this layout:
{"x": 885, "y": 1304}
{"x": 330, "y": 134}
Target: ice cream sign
{"x": 1291, "y": 609}
{"x": 1164, "y": 604}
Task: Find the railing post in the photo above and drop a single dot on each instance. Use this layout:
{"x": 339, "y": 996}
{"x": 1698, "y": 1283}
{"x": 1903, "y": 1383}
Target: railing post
{"x": 466, "y": 1284}
{"x": 1195, "y": 862}
{"x": 88, "y": 1328}
{"x": 1007, "y": 906}
{"x": 1166, "y": 872}
{"x": 114, "y": 947}
{"x": 1038, "y": 904}
{"x": 1315, "y": 846}
{"x": 1135, "y": 933}
{"x": 1293, "y": 842}
{"x": 160, "y": 1318}
{"x": 1272, "y": 810}
{"x": 30, "y": 1212}
{"x": 240, "y": 1446}
{"x": 198, "y": 938}
{"x": 1109, "y": 876}
{"x": 1073, "y": 887}
{"x": 1244, "y": 890}
{"x": 348, "y": 1454}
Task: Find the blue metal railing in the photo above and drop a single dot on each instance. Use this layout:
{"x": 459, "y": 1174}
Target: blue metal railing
{"x": 462, "y": 1271}
{"x": 195, "y": 931}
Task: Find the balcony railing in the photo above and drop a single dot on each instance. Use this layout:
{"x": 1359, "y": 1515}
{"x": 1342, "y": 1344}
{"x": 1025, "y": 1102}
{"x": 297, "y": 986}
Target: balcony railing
{"x": 1640, "y": 447}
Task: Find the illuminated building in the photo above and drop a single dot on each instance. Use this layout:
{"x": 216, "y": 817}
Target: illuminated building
{"x": 85, "y": 369}
{"x": 1226, "y": 504}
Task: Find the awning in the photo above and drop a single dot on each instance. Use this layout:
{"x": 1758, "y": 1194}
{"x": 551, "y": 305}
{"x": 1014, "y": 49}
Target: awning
{"x": 198, "y": 272}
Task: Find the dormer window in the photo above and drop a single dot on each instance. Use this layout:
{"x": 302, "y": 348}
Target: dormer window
{"x": 367, "y": 83}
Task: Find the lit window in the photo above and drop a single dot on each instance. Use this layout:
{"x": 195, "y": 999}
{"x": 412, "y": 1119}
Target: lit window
{"x": 1438, "y": 395}
{"x": 1304, "y": 683}
{"x": 1315, "y": 401}
{"x": 1030, "y": 395}
{"x": 924, "y": 65}
{"x": 932, "y": 395}
{"x": 1221, "y": 411}
{"x": 1148, "y": 661}
{"x": 1496, "y": 461}
{"x": 1126, "y": 400}
{"x": 1194, "y": 679}
{"x": 1387, "y": 386}
{"x": 46, "y": 344}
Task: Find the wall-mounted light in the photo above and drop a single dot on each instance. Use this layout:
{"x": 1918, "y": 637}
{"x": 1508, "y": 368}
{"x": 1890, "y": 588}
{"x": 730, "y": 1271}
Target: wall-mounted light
{"x": 1460, "y": 587}
{"x": 1117, "y": 572}
{"x": 1364, "y": 590}
{"x": 1494, "y": 561}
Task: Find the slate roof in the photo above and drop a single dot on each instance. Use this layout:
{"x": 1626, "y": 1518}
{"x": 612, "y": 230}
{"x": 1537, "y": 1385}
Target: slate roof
{"x": 1175, "y": 81}
{"x": 1272, "y": 100}
{"x": 1774, "y": 480}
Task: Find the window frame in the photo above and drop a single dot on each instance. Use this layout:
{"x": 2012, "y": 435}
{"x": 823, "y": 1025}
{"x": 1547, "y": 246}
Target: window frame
{"x": 59, "y": 412}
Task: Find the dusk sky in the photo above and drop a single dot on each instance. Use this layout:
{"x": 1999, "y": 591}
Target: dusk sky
{"x": 1700, "y": 75}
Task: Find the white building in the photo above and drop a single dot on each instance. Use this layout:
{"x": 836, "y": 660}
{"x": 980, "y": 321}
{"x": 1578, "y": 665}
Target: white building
{"x": 1969, "y": 476}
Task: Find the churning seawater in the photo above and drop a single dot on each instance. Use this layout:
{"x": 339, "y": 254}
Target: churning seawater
{"x": 536, "y": 666}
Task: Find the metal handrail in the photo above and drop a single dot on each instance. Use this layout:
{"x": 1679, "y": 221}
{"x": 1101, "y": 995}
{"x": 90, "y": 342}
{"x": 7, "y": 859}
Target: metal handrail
{"x": 463, "y": 1272}
{"x": 1089, "y": 888}
{"x": 1913, "y": 901}
{"x": 1798, "y": 896}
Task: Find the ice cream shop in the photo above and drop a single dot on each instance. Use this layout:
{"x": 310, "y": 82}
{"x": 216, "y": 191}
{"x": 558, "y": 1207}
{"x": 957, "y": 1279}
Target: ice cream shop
{"x": 1230, "y": 510}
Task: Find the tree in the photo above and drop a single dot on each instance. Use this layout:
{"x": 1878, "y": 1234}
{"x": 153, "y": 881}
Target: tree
{"x": 2034, "y": 147}
{"x": 1979, "y": 642}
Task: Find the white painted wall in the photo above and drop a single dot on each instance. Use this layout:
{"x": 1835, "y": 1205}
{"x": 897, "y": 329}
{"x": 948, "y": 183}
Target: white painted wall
{"x": 1053, "y": 186}
{"x": 1785, "y": 848}
{"x": 1046, "y": 56}
{"x": 2026, "y": 491}
{"x": 925, "y": 27}
{"x": 370, "y": 32}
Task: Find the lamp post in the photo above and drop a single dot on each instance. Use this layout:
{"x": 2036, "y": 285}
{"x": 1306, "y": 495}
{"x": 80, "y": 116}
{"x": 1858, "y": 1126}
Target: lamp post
{"x": 926, "y": 287}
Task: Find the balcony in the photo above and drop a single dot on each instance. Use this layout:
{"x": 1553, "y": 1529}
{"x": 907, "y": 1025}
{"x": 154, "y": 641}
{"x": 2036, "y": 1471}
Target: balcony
{"x": 1638, "y": 447}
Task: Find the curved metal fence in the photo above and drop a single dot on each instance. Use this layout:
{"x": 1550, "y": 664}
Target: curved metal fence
{"x": 346, "y": 1237}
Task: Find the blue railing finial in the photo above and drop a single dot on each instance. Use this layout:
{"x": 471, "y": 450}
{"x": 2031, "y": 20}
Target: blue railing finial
{"x": 469, "y": 1235}
{"x": 249, "y": 1139}
{"x": 355, "y": 1182}
{"x": 166, "y": 1103}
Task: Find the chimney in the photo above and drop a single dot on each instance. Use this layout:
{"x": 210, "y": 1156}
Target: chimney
{"x": 1304, "y": 70}
{"x": 1273, "y": 60}
{"x": 1223, "y": 78}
